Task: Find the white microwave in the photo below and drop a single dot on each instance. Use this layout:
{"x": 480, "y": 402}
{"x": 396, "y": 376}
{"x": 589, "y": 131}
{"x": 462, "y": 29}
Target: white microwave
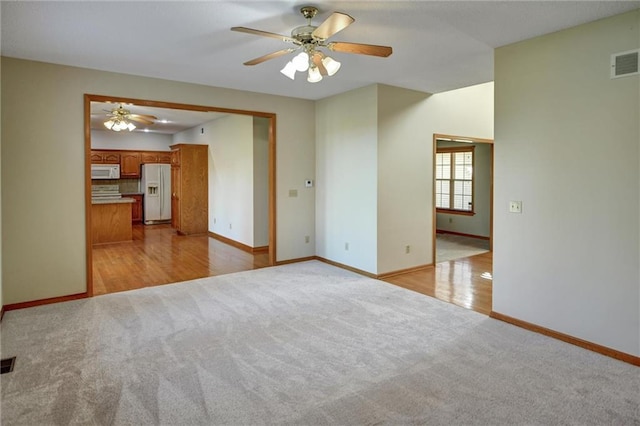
{"x": 105, "y": 171}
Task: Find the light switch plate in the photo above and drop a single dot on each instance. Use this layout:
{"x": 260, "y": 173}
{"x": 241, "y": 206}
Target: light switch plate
{"x": 515, "y": 206}
{"x": 308, "y": 183}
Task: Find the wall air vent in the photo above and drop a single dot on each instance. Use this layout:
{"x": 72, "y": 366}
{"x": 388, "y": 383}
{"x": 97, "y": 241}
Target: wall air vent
{"x": 625, "y": 64}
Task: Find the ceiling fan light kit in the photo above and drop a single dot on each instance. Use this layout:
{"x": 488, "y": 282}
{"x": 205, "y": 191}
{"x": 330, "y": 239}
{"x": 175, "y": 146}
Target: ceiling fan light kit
{"x": 310, "y": 39}
{"x": 121, "y": 119}
{"x": 116, "y": 126}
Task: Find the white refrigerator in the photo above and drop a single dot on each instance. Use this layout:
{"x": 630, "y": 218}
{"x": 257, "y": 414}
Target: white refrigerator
{"x": 156, "y": 186}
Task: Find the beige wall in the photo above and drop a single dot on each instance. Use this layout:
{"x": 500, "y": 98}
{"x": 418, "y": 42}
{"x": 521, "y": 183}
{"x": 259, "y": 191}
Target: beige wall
{"x": 43, "y": 158}
{"x": 1, "y": 286}
{"x": 375, "y": 170}
{"x": 568, "y": 146}
{"x": 230, "y": 141}
{"x": 346, "y": 178}
{"x": 408, "y": 122}
{"x": 404, "y": 179}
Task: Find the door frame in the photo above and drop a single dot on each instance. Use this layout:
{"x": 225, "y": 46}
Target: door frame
{"x": 455, "y": 138}
{"x": 88, "y": 98}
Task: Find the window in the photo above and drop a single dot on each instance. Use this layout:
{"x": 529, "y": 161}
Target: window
{"x": 454, "y": 180}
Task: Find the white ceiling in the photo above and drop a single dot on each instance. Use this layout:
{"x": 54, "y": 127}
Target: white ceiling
{"x": 437, "y": 45}
{"x": 168, "y": 121}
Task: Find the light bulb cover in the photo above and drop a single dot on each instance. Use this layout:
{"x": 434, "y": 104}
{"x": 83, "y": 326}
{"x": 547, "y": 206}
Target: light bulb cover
{"x": 109, "y": 124}
{"x": 314, "y": 75}
{"x": 289, "y": 70}
{"x": 131, "y": 126}
{"x": 301, "y": 61}
{"x": 331, "y": 65}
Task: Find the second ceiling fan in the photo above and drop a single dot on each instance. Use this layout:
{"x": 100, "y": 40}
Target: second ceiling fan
{"x": 309, "y": 39}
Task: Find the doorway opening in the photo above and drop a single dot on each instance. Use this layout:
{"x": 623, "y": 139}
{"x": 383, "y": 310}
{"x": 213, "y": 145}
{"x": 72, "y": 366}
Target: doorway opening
{"x": 463, "y": 197}
{"x": 199, "y": 251}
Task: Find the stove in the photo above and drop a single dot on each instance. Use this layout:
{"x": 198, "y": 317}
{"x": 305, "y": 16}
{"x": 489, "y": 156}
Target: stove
{"x": 105, "y": 192}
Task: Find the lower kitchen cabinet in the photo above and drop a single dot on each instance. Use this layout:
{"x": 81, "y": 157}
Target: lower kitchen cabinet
{"x": 136, "y": 207}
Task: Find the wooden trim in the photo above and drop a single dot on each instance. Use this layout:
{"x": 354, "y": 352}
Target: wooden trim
{"x": 433, "y": 199}
{"x": 348, "y": 268}
{"x": 465, "y": 138}
{"x": 48, "y": 301}
{"x": 603, "y": 350}
{"x": 435, "y": 138}
{"x": 453, "y": 178}
{"x": 88, "y": 98}
{"x": 297, "y": 260}
{"x": 174, "y": 105}
{"x": 458, "y": 212}
{"x": 87, "y": 194}
{"x": 469, "y": 148}
{"x": 238, "y": 244}
{"x": 491, "y": 201}
{"x": 272, "y": 190}
{"x": 357, "y": 271}
{"x": 404, "y": 271}
{"x": 462, "y": 234}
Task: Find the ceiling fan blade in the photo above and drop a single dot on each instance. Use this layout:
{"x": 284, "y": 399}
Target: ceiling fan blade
{"x": 359, "y": 48}
{"x": 263, "y": 33}
{"x": 333, "y": 24}
{"x": 140, "y": 120}
{"x": 268, "y": 56}
{"x": 146, "y": 116}
{"x": 317, "y": 60}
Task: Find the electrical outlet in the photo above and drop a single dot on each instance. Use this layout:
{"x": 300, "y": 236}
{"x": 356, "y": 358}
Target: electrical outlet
{"x": 346, "y": 246}
{"x": 515, "y": 206}
{"x": 214, "y": 220}
{"x": 230, "y": 226}
{"x": 306, "y": 239}
{"x": 407, "y": 249}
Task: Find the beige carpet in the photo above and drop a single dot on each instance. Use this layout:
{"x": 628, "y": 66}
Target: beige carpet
{"x": 299, "y": 344}
{"x": 451, "y": 247}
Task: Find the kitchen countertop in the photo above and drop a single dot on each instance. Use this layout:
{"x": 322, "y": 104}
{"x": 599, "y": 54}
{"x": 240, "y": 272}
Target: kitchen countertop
{"x": 123, "y": 200}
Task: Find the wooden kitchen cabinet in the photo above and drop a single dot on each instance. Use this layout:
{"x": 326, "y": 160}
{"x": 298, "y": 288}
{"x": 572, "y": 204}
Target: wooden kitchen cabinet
{"x": 136, "y": 207}
{"x": 105, "y": 157}
{"x": 189, "y": 188}
{"x": 111, "y": 222}
{"x": 175, "y": 157}
{"x": 156, "y": 157}
{"x": 129, "y": 165}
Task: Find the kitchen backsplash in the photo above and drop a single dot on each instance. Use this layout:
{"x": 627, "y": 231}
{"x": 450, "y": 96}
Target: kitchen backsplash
{"x": 127, "y": 186}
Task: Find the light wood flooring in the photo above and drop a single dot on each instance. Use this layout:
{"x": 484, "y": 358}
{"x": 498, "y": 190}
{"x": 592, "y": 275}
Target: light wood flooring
{"x": 465, "y": 282}
{"x": 157, "y": 255}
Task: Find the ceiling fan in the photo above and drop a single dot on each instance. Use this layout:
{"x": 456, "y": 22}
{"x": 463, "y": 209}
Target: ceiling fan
{"x": 120, "y": 119}
{"x": 309, "y": 39}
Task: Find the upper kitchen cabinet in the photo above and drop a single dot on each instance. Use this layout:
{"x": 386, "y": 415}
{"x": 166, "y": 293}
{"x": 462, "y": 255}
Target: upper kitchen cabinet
{"x": 189, "y": 188}
{"x": 158, "y": 157}
{"x": 105, "y": 157}
{"x": 129, "y": 165}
